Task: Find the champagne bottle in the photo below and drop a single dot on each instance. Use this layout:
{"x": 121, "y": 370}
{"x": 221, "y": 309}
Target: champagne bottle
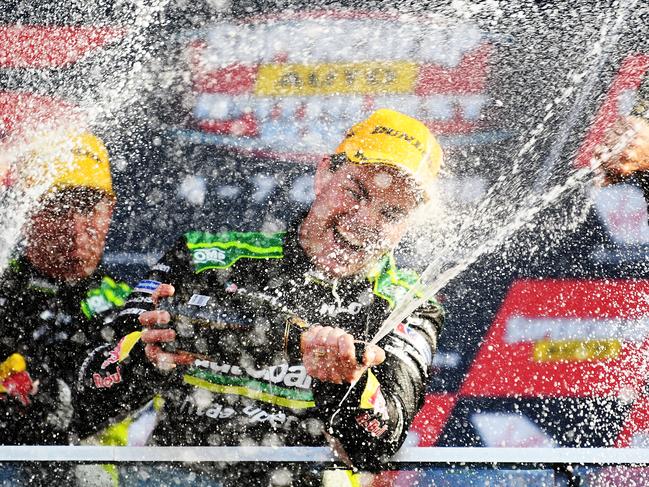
{"x": 237, "y": 324}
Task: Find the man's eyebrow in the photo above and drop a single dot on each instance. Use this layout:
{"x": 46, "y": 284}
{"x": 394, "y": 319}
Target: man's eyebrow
{"x": 361, "y": 187}
{"x": 397, "y": 210}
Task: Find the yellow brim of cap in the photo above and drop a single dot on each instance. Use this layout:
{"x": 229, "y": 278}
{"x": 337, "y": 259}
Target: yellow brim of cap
{"x": 77, "y": 160}
{"x": 85, "y": 170}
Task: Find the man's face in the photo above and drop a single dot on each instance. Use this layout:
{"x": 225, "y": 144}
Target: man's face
{"x": 66, "y": 236}
{"x": 359, "y": 213}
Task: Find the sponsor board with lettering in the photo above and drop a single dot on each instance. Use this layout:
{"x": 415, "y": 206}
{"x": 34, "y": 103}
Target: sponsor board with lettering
{"x": 567, "y": 354}
{"x": 298, "y": 93}
{"x": 565, "y": 338}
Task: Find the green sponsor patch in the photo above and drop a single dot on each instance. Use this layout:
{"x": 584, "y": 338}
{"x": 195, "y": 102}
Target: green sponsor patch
{"x": 110, "y": 294}
{"x": 392, "y": 284}
{"x": 221, "y": 250}
{"x": 253, "y": 384}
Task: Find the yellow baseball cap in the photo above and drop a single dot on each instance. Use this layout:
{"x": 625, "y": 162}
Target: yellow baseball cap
{"x": 391, "y": 138}
{"x": 74, "y": 160}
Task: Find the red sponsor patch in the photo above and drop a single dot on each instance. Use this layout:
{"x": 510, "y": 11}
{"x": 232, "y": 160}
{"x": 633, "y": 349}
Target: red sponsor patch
{"x": 378, "y": 403}
{"x": 105, "y": 382}
{"x": 113, "y": 355}
{"x": 371, "y": 425}
{"x": 20, "y": 386}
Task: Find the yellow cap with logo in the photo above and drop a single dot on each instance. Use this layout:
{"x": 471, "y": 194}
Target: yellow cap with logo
{"x": 89, "y": 166}
{"x": 71, "y": 160}
{"x": 391, "y": 138}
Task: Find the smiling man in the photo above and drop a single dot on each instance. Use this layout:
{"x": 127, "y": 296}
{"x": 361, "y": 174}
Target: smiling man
{"x": 259, "y": 345}
{"x": 359, "y": 214}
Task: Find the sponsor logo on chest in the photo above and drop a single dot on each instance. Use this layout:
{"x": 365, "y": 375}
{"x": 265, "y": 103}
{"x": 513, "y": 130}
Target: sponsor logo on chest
{"x": 146, "y": 286}
{"x": 334, "y": 310}
{"x": 107, "y": 381}
{"x": 253, "y": 414}
{"x": 202, "y": 256}
{"x": 284, "y": 374}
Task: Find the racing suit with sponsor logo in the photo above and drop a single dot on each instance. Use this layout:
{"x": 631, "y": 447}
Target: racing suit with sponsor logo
{"x": 245, "y": 390}
{"x": 53, "y": 325}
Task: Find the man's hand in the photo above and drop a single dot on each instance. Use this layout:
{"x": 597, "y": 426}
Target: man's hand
{"x": 328, "y": 355}
{"x": 154, "y": 337}
{"x": 625, "y": 149}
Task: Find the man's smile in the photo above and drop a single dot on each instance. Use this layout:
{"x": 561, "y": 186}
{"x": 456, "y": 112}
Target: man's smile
{"x": 346, "y": 239}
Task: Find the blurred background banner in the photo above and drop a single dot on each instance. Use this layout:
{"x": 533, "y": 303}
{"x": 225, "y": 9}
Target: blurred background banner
{"x": 290, "y": 85}
{"x": 214, "y": 114}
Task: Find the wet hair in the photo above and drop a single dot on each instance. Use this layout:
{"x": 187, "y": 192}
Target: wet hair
{"x": 80, "y": 199}
{"x": 337, "y": 161}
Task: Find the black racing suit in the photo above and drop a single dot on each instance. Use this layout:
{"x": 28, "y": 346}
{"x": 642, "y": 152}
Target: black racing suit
{"x": 53, "y": 325}
{"x": 245, "y": 391}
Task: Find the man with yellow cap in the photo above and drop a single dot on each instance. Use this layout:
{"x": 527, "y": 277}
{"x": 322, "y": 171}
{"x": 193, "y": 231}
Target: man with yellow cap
{"x": 255, "y": 338}
{"x": 51, "y": 295}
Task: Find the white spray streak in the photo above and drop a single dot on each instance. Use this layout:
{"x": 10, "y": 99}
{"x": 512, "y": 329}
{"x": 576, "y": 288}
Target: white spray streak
{"x": 124, "y": 88}
{"x": 429, "y": 285}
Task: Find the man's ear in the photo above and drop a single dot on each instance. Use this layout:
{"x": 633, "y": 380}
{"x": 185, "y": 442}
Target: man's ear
{"x": 111, "y": 210}
{"x": 323, "y": 175}
{"x": 105, "y": 208}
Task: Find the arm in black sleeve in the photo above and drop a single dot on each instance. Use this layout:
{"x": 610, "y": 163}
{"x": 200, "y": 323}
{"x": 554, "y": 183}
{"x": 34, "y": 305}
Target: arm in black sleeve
{"x": 117, "y": 378}
{"x": 114, "y": 380}
{"x": 172, "y": 267}
{"x": 372, "y": 423}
